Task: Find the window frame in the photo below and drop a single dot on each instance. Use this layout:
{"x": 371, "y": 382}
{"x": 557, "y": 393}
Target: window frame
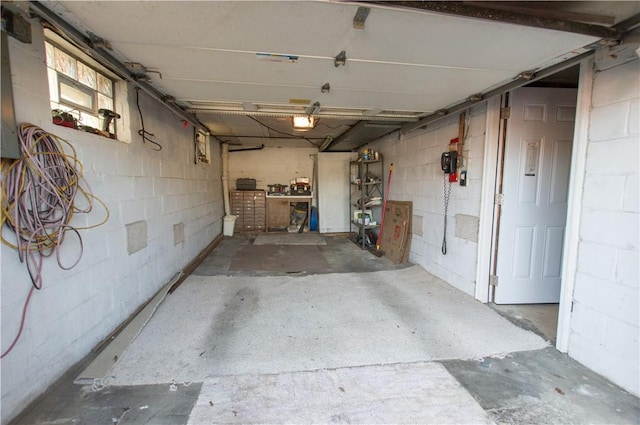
{"x": 63, "y": 79}
{"x": 58, "y": 42}
{"x": 202, "y": 144}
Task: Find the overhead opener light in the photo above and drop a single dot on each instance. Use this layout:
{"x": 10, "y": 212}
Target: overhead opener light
{"x": 303, "y": 122}
{"x": 307, "y": 121}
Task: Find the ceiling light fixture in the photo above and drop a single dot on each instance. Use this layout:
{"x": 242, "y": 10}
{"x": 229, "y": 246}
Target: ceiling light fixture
{"x": 303, "y": 122}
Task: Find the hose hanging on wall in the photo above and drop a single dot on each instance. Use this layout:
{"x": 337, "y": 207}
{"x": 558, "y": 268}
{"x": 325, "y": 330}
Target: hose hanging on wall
{"x": 38, "y": 202}
{"x": 446, "y": 189}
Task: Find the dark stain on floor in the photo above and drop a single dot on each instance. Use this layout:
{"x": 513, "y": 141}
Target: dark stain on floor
{"x": 281, "y": 258}
{"x": 543, "y": 387}
{"x": 157, "y": 404}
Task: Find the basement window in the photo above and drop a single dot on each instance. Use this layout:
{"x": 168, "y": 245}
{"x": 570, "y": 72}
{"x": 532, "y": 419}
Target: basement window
{"x": 203, "y": 151}
{"x": 79, "y": 92}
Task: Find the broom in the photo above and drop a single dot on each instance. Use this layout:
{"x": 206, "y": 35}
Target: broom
{"x": 377, "y": 251}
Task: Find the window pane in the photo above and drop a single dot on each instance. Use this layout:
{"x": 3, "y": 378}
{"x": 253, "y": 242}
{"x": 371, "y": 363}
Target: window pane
{"x": 86, "y": 75}
{"x": 50, "y": 54}
{"x": 65, "y": 64}
{"x": 90, "y": 120}
{"x": 105, "y": 86}
{"x": 53, "y": 85}
{"x": 76, "y": 96}
{"x": 105, "y": 102}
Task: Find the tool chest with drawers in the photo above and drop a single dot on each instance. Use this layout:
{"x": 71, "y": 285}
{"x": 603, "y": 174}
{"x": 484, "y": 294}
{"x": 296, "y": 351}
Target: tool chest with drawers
{"x": 249, "y": 208}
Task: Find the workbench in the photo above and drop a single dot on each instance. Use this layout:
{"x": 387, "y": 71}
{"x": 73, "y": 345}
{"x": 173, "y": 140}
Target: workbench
{"x": 279, "y": 210}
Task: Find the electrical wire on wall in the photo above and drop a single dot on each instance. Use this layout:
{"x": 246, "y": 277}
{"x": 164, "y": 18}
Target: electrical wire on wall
{"x": 282, "y": 132}
{"x": 320, "y": 123}
{"x": 39, "y": 194}
{"x": 142, "y": 132}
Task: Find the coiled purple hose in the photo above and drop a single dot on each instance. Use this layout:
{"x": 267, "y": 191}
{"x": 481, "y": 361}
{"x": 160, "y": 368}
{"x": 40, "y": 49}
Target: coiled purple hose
{"x": 38, "y": 202}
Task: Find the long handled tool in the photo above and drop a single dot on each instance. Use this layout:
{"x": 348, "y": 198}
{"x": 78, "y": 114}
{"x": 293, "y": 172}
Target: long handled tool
{"x": 377, "y": 252}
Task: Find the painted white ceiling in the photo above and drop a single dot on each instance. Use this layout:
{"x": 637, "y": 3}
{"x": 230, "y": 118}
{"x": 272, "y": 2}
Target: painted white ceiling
{"x": 404, "y": 62}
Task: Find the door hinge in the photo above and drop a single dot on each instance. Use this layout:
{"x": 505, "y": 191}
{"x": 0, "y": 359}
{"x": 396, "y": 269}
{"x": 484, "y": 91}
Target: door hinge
{"x": 499, "y": 199}
{"x": 493, "y": 280}
{"x": 505, "y": 113}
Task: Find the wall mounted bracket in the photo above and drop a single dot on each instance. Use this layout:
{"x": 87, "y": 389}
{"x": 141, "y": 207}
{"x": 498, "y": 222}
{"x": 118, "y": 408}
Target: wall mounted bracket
{"x": 99, "y": 42}
{"x": 361, "y": 17}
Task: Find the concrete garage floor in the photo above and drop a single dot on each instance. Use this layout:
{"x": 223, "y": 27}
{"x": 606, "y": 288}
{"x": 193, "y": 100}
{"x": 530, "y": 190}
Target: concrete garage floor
{"x": 537, "y": 387}
{"x": 541, "y": 319}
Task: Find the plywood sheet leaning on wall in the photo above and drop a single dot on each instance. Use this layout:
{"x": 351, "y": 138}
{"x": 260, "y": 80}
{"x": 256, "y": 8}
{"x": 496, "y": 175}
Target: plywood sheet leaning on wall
{"x": 396, "y": 236}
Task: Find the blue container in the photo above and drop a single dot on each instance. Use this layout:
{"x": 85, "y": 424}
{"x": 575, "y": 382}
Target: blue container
{"x": 313, "y": 223}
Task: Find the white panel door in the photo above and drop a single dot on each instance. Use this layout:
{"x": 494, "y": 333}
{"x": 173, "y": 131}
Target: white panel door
{"x": 535, "y": 182}
{"x": 333, "y": 191}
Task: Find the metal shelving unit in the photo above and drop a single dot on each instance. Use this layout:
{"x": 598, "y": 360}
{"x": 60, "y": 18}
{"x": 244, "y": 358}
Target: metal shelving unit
{"x": 366, "y": 182}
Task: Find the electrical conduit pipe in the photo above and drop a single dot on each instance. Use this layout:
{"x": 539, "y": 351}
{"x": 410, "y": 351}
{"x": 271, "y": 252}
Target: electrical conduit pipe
{"x": 229, "y": 220}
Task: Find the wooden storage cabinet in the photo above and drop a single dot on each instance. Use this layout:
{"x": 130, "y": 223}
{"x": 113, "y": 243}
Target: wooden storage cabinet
{"x": 249, "y": 208}
{"x": 279, "y": 211}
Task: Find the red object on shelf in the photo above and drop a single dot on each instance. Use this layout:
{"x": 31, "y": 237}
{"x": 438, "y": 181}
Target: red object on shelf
{"x": 62, "y": 118}
{"x": 63, "y": 122}
{"x": 384, "y": 207}
{"x": 453, "y": 146}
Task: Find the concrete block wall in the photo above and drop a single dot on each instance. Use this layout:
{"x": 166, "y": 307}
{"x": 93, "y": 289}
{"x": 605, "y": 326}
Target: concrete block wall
{"x": 78, "y": 308}
{"x": 271, "y": 165}
{"x": 417, "y": 177}
{"x": 605, "y": 323}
